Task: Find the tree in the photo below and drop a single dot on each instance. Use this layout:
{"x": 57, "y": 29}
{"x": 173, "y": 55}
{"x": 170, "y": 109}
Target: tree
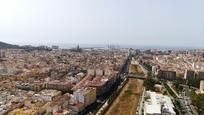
{"x": 195, "y": 82}
{"x": 198, "y": 100}
{"x": 149, "y": 83}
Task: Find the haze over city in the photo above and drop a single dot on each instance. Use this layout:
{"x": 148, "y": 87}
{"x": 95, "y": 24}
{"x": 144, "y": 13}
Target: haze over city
{"x": 174, "y": 23}
{"x": 101, "y": 57}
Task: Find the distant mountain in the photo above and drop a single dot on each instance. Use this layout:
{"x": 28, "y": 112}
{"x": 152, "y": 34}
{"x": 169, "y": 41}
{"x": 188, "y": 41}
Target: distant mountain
{"x": 6, "y": 45}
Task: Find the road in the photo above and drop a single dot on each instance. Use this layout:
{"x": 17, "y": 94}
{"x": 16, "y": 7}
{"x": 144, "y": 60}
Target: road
{"x": 103, "y": 106}
{"x": 141, "y": 103}
{"x": 144, "y": 70}
{"x": 136, "y": 76}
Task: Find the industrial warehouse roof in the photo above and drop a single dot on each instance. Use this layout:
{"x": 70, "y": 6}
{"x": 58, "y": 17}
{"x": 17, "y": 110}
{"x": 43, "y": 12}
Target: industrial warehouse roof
{"x": 158, "y": 103}
{"x": 152, "y": 108}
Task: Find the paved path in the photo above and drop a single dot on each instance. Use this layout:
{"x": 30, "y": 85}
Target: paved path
{"x": 173, "y": 90}
{"x": 140, "y": 104}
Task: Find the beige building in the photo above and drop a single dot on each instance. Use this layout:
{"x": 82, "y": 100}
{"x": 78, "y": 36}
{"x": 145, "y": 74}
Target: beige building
{"x": 202, "y": 86}
{"x": 85, "y": 95}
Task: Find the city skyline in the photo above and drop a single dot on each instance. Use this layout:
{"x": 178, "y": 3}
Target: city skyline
{"x": 168, "y": 23}
{"x": 101, "y": 57}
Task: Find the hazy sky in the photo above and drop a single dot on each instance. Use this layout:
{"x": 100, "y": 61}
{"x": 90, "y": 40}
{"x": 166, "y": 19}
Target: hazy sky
{"x": 139, "y": 22}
